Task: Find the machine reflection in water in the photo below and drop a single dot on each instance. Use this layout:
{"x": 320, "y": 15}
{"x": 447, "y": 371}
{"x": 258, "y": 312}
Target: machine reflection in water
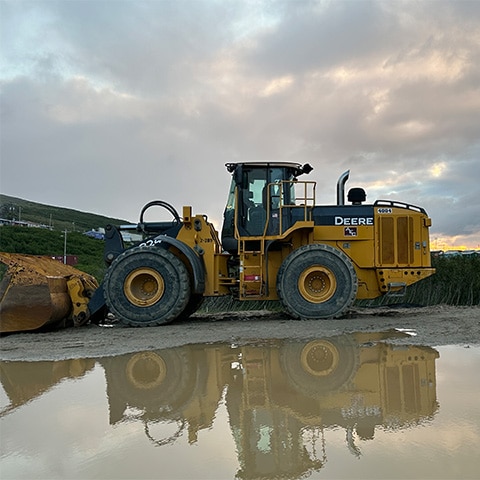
{"x": 280, "y": 395}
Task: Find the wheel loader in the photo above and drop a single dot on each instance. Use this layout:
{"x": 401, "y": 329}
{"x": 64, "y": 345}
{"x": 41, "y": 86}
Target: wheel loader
{"x": 276, "y": 243}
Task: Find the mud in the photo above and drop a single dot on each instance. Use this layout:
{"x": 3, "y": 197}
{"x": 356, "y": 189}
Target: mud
{"x": 430, "y": 326}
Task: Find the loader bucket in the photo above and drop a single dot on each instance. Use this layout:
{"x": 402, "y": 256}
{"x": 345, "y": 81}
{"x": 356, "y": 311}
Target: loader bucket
{"x": 37, "y": 292}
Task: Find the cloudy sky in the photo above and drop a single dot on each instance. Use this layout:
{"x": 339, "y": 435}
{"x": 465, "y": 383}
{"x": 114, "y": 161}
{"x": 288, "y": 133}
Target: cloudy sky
{"x": 106, "y": 105}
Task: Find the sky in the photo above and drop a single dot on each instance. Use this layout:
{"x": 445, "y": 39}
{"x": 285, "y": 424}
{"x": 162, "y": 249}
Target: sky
{"x": 107, "y": 105}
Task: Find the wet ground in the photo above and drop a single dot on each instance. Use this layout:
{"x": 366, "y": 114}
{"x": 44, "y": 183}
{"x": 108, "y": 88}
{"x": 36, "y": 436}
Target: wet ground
{"x": 432, "y": 326}
{"x": 387, "y": 393}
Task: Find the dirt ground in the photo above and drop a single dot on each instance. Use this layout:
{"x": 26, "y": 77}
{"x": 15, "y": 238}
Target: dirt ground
{"x": 431, "y": 326}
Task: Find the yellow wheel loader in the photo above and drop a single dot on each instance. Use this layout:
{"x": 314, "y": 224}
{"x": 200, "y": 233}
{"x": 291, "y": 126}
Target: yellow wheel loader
{"x": 276, "y": 244}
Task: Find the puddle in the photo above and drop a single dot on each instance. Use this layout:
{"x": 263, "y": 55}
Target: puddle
{"x": 351, "y": 406}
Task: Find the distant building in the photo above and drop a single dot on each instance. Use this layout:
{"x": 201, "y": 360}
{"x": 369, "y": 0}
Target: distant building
{"x": 67, "y": 259}
{"x": 97, "y": 234}
{"x": 455, "y": 253}
{"x": 21, "y": 223}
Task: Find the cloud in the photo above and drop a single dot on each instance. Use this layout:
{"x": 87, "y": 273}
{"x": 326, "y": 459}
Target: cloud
{"x": 108, "y": 105}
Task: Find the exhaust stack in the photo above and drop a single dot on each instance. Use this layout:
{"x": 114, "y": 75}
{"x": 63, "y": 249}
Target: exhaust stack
{"x": 341, "y": 187}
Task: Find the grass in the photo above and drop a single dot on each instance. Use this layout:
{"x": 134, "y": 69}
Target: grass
{"x": 37, "y": 241}
{"x": 456, "y": 282}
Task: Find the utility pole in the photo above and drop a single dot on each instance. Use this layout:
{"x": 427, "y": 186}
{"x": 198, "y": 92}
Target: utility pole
{"x": 65, "y": 247}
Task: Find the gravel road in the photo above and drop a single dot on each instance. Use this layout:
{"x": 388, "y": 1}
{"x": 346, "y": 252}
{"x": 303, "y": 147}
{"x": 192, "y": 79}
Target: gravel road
{"x": 430, "y": 326}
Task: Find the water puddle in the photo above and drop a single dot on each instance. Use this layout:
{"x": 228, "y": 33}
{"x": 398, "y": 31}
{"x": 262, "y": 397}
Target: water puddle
{"x": 352, "y": 406}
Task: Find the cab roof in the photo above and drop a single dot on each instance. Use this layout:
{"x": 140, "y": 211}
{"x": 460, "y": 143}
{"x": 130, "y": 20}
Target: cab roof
{"x": 298, "y": 168}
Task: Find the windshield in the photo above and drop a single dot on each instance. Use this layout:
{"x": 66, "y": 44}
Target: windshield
{"x": 231, "y": 197}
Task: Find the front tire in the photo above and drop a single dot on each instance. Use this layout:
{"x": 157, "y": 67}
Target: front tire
{"x": 193, "y": 305}
{"x": 147, "y": 286}
{"x": 317, "y": 281}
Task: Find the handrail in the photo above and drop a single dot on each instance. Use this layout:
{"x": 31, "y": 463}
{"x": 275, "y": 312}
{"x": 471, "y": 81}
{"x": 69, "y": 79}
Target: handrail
{"x": 394, "y": 203}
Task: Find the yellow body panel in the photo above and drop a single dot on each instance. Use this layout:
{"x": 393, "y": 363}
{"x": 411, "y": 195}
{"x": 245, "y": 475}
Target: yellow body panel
{"x": 201, "y": 236}
{"x": 388, "y": 255}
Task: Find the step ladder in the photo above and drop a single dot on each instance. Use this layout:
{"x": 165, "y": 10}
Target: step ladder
{"x": 254, "y": 379}
{"x": 252, "y": 283}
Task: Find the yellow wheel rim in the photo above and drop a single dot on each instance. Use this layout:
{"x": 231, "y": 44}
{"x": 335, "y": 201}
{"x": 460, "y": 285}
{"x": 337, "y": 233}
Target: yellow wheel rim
{"x": 319, "y": 358}
{"x": 144, "y": 287}
{"x": 146, "y": 370}
{"x": 317, "y": 284}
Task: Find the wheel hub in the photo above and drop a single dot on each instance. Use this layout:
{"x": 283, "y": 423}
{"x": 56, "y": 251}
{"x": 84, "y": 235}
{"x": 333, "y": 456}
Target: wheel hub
{"x": 144, "y": 287}
{"x": 319, "y": 358}
{"x": 146, "y": 370}
{"x": 317, "y": 284}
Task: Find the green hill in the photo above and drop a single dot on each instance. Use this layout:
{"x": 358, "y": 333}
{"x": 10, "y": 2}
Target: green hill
{"x": 40, "y": 241}
{"x": 51, "y": 241}
{"x": 58, "y": 218}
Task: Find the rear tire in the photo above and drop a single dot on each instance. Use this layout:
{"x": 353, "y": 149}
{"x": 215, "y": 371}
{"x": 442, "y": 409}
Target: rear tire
{"x": 317, "y": 281}
{"x": 147, "y": 286}
{"x": 320, "y": 366}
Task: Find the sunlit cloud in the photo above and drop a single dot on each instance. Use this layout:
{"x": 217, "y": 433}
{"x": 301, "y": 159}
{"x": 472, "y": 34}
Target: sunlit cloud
{"x": 413, "y": 128}
{"x": 438, "y": 169}
{"x": 277, "y": 85}
{"x": 79, "y": 101}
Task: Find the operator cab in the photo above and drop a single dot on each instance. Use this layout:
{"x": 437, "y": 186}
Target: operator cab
{"x": 250, "y": 203}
